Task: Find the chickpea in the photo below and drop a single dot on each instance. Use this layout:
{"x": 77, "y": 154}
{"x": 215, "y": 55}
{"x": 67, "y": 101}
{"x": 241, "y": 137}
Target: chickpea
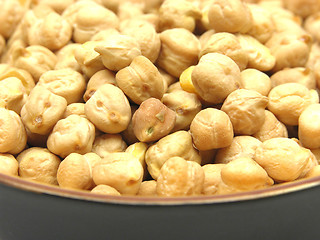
{"x": 211, "y": 128}
{"x": 42, "y": 110}
{"x": 105, "y": 190}
{"x": 109, "y": 109}
{"x": 7, "y": 55}
{"x": 288, "y": 100}
{"x": 174, "y": 87}
{"x": 175, "y": 144}
{"x": 75, "y": 171}
{"x": 215, "y": 77}
{"x": 282, "y": 158}
{"x": 121, "y": 171}
{"x": 179, "y": 177}
{"x": 139, "y": 150}
{"x": 241, "y": 146}
{"x": 167, "y": 79}
{"x": 152, "y": 120}
{"x": 314, "y": 62}
{"x": 108, "y": 143}
{"x": 128, "y": 134}
{"x": 316, "y": 153}
{"x": 8, "y": 164}
{"x": 73, "y": 134}
{"x": 129, "y": 10}
{"x": 104, "y": 34}
{"x": 38, "y": 164}
{"x": 74, "y": 108}
{"x": 113, "y": 5}
{"x": 302, "y": 7}
{"x": 253, "y": 79}
{"x": 245, "y": 109}
{"x": 185, "y": 80}
{"x": 212, "y": 178}
{"x": 66, "y": 57}
{"x": 179, "y": 50}
{"x": 58, "y": 5}
{"x": 141, "y": 80}
{"x": 314, "y": 172}
{"x": 204, "y": 37}
{"x": 148, "y": 188}
{"x": 66, "y": 83}
{"x": 312, "y": 24}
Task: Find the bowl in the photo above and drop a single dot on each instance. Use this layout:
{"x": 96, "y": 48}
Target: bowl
{"x": 34, "y": 211}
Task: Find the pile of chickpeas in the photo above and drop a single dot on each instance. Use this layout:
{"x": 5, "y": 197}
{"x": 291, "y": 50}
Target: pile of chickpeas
{"x": 160, "y": 97}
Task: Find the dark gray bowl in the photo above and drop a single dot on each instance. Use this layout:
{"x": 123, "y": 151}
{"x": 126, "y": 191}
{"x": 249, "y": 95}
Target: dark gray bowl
{"x": 32, "y": 211}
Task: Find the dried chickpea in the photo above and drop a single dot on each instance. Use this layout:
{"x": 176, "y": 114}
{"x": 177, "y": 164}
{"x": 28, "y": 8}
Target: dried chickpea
{"x": 109, "y": 109}
{"x": 105, "y": 190}
{"x": 108, "y": 143}
{"x": 179, "y": 50}
{"x": 66, "y": 57}
{"x": 185, "y": 80}
{"x": 312, "y": 24}
{"x": 8, "y": 164}
{"x": 241, "y": 146}
{"x": 7, "y": 55}
{"x": 253, "y": 79}
{"x": 211, "y": 128}
{"x": 13, "y": 137}
{"x": 75, "y": 108}
{"x": 152, "y": 120}
{"x": 148, "y": 188}
{"x": 66, "y": 83}
{"x": 174, "y": 87}
{"x": 302, "y": 7}
{"x": 204, "y": 37}
{"x": 58, "y": 5}
{"x": 287, "y": 101}
{"x": 175, "y": 144}
{"x": 314, "y": 172}
{"x": 42, "y": 110}
{"x": 167, "y": 79}
{"x": 129, "y": 10}
{"x": 141, "y": 80}
{"x": 38, "y": 164}
{"x": 316, "y": 153}
{"x": 121, "y": 171}
{"x": 139, "y": 150}
{"x": 105, "y": 34}
{"x": 314, "y": 62}
{"x": 179, "y": 177}
{"x": 128, "y": 134}
{"x": 245, "y": 109}
{"x": 212, "y": 178}
{"x": 73, "y": 134}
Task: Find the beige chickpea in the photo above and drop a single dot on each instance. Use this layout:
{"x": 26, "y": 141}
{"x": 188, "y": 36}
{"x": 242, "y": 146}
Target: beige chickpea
{"x": 66, "y": 57}
{"x": 167, "y": 79}
{"x": 179, "y": 50}
{"x": 129, "y": 10}
{"x": 109, "y": 109}
{"x": 211, "y": 128}
{"x": 186, "y": 106}
{"x": 259, "y": 56}
{"x": 178, "y": 14}
{"x": 302, "y": 7}
{"x": 271, "y": 128}
{"x": 230, "y": 16}
{"x": 179, "y": 177}
{"x": 39, "y": 164}
{"x": 139, "y": 150}
{"x": 7, "y": 55}
{"x": 148, "y": 188}
{"x": 311, "y": 163}
{"x": 204, "y": 37}
{"x": 212, "y": 178}
{"x": 121, "y": 171}
{"x": 302, "y": 75}
{"x": 73, "y": 134}
{"x": 105, "y": 34}
{"x": 152, "y": 120}
{"x": 314, "y": 172}
{"x": 42, "y": 110}
{"x": 316, "y": 153}
{"x": 282, "y": 158}
{"x": 245, "y": 109}
{"x": 108, "y": 143}
{"x": 8, "y": 164}
{"x": 75, "y": 171}
{"x": 35, "y": 59}
{"x": 141, "y": 80}
{"x": 74, "y": 108}
{"x": 118, "y": 51}
{"x": 105, "y": 190}
{"x": 312, "y": 24}
{"x": 291, "y": 23}
{"x": 66, "y": 83}
{"x": 227, "y": 44}
{"x": 175, "y": 144}
{"x": 314, "y": 62}
{"x": 58, "y": 5}
{"x": 13, "y": 137}
{"x": 241, "y": 146}
{"x": 128, "y": 134}
{"x": 215, "y": 77}
{"x": 174, "y": 87}
{"x": 287, "y": 101}
{"x": 70, "y": 12}
{"x": 253, "y": 79}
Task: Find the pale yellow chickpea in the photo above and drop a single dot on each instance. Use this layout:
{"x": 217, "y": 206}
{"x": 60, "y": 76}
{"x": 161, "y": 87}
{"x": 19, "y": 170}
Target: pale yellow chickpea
{"x": 167, "y": 79}
{"x": 287, "y": 101}
{"x": 38, "y": 164}
{"x": 302, "y": 7}
{"x": 174, "y": 87}
{"x": 245, "y": 109}
{"x": 73, "y": 134}
{"x": 204, "y": 37}
{"x": 108, "y": 143}
{"x": 148, "y": 188}
{"x": 139, "y": 150}
{"x": 152, "y": 120}
{"x": 302, "y": 75}
{"x": 241, "y": 146}
{"x": 175, "y": 144}
{"x": 314, "y": 62}
{"x": 13, "y": 137}
{"x": 253, "y": 79}
{"x": 179, "y": 50}
{"x": 130, "y": 10}
{"x": 230, "y": 16}
{"x": 212, "y": 178}
{"x": 210, "y": 129}
{"x": 58, "y": 5}
{"x": 113, "y": 5}
{"x": 74, "y": 108}
{"x": 7, "y": 55}
{"x": 314, "y": 172}
{"x": 186, "y": 106}
{"x": 121, "y": 171}
{"x": 271, "y": 128}
{"x": 282, "y": 158}
{"x": 109, "y": 109}
{"x": 215, "y": 77}
{"x": 8, "y": 164}
{"x": 141, "y": 80}
{"x": 42, "y": 110}
{"x": 105, "y": 34}
{"x": 179, "y": 177}
{"x": 312, "y": 24}
{"x": 66, "y": 57}
{"x": 70, "y": 12}
{"x": 316, "y": 153}
{"x": 105, "y": 190}
{"x": 75, "y": 171}
{"x": 66, "y": 83}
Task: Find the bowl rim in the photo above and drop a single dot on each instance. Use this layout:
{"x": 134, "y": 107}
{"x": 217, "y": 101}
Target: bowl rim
{"x": 40, "y": 188}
